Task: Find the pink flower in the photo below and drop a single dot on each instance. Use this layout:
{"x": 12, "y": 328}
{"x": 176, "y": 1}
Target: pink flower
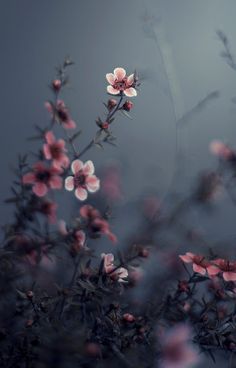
{"x": 128, "y": 317}
{"x": 61, "y": 113}
{"x": 79, "y": 241}
{"x": 43, "y": 178}
{"x": 228, "y": 269}
{"x": 177, "y": 352}
{"x": 55, "y": 151}
{"x": 120, "y": 83}
{"x": 199, "y": 262}
{"x": 96, "y": 224}
{"x": 221, "y": 150}
{"x": 83, "y": 179}
{"x": 118, "y": 274}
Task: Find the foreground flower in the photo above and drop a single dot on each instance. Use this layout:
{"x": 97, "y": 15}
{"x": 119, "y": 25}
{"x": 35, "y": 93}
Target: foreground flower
{"x": 61, "y": 113}
{"x": 200, "y": 264}
{"x": 119, "y": 274}
{"x": 43, "y": 178}
{"x": 120, "y": 83}
{"x": 177, "y": 352}
{"x": 227, "y": 268}
{"x": 96, "y": 224}
{"x": 55, "y": 150}
{"x": 83, "y": 179}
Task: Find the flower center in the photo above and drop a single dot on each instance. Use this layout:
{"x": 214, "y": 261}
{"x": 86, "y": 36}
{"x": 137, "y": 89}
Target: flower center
{"x": 43, "y": 176}
{"x": 55, "y": 151}
{"x": 79, "y": 180}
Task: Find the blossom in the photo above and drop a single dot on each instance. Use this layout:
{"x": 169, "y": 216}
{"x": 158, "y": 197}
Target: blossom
{"x": 200, "y": 264}
{"x": 227, "y": 268}
{"x": 96, "y": 224}
{"x": 43, "y": 178}
{"x": 177, "y": 352}
{"x": 119, "y": 273}
{"x": 221, "y": 150}
{"x": 61, "y": 113}
{"x": 55, "y": 150}
{"x": 120, "y": 83}
{"x": 83, "y": 179}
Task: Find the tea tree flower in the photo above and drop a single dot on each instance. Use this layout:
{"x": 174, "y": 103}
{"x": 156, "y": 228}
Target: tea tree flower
{"x": 83, "y": 179}
{"x": 120, "y": 83}
{"x": 55, "y": 150}
{"x": 61, "y": 114}
{"x": 227, "y": 268}
{"x": 119, "y": 274}
{"x": 199, "y": 262}
{"x": 43, "y": 178}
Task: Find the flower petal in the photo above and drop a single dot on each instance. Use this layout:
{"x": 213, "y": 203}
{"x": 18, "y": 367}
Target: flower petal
{"x": 119, "y": 73}
{"x": 229, "y": 276}
{"x": 69, "y": 124}
{"x": 69, "y": 183}
{"x": 40, "y": 189}
{"x": 92, "y": 183}
{"x": 112, "y": 90}
{"x": 110, "y": 78}
{"x": 49, "y": 136}
{"x": 199, "y": 269}
{"x": 76, "y": 166}
{"x": 29, "y": 178}
{"x": 130, "y": 79}
{"x": 186, "y": 258}
{"x": 47, "y": 152}
{"x": 81, "y": 194}
{"x": 130, "y": 92}
{"x": 56, "y": 182}
{"x": 88, "y": 168}
{"x": 212, "y": 270}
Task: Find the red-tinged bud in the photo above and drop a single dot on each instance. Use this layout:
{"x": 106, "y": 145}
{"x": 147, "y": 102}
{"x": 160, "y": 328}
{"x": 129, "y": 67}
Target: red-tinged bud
{"x": 232, "y": 346}
{"x": 111, "y": 103}
{"x": 128, "y": 105}
{"x": 30, "y": 294}
{"x": 92, "y": 349}
{"x": 144, "y": 253}
{"x": 128, "y": 317}
{"x": 29, "y": 323}
{"x": 56, "y": 84}
{"x": 183, "y": 286}
{"x": 105, "y": 125}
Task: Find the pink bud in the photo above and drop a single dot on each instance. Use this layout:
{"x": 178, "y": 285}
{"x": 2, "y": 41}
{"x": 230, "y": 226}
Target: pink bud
{"x": 56, "y": 84}
{"x": 128, "y": 105}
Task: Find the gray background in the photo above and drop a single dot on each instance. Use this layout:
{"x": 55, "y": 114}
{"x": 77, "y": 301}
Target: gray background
{"x": 36, "y": 35}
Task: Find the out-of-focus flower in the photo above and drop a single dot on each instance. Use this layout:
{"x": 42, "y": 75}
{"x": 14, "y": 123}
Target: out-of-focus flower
{"x": 119, "y": 274}
{"x": 83, "y": 179}
{"x": 183, "y": 286}
{"x": 199, "y": 262}
{"x": 61, "y": 113}
{"x": 128, "y": 105}
{"x": 96, "y": 224}
{"x": 227, "y": 268}
{"x": 177, "y": 351}
{"x": 43, "y": 178}
{"x": 120, "y": 83}
{"x": 55, "y": 150}
{"x": 48, "y": 208}
{"x": 76, "y": 237}
{"x": 209, "y": 187}
{"x": 221, "y": 150}
{"x": 111, "y": 183}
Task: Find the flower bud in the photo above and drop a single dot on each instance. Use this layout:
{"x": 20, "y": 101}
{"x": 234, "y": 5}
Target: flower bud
{"x": 105, "y": 125}
{"x": 56, "y": 85}
{"x": 128, "y": 317}
{"x": 30, "y": 294}
{"x": 128, "y": 105}
{"x": 111, "y": 103}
